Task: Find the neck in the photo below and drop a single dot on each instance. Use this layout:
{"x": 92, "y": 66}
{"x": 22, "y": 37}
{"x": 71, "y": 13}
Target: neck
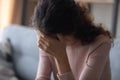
{"x": 71, "y": 41}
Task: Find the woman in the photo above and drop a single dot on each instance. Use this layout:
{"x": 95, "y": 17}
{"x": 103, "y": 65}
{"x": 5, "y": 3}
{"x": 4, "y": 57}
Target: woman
{"x": 71, "y": 45}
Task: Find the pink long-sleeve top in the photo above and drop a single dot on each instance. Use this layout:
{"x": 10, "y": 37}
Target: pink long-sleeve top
{"x": 88, "y": 62}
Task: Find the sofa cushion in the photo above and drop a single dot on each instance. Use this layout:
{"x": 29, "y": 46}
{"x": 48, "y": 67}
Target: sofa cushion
{"x": 26, "y": 53}
{"x": 115, "y": 60}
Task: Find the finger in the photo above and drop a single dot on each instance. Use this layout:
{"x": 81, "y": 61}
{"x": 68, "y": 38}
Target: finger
{"x": 46, "y": 49}
{"x": 43, "y": 48}
{"x": 42, "y": 34}
{"x": 47, "y": 41}
{"x": 40, "y": 46}
{"x": 46, "y": 38}
{"x": 43, "y": 41}
{"x": 60, "y": 37}
{"x": 43, "y": 45}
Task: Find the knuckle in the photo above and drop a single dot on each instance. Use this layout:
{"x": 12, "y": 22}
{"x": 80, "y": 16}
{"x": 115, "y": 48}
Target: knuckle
{"x": 48, "y": 45}
{"x": 46, "y": 48}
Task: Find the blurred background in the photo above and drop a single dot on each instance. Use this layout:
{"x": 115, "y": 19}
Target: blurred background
{"x": 20, "y": 12}
{"x": 18, "y": 40}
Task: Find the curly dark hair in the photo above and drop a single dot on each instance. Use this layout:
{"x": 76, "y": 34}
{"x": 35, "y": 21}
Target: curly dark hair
{"x": 66, "y": 17}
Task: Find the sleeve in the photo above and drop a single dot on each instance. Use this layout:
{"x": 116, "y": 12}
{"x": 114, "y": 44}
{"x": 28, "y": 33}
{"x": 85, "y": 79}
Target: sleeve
{"x": 96, "y": 62}
{"x": 66, "y": 76}
{"x": 44, "y": 67}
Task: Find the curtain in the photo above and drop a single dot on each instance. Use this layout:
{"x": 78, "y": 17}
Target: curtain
{"x": 10, "y": 12}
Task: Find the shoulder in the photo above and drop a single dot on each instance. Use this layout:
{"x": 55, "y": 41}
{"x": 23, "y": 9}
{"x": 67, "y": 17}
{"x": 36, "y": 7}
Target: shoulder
{"x": 101, "y": 42}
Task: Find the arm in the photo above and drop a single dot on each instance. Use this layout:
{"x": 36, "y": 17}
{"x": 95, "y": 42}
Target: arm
{"x": 44, "y": 68}
{"x": 95, "y": 63}
{"x": 57, "y": 49}
{"x": 64, "y": 70}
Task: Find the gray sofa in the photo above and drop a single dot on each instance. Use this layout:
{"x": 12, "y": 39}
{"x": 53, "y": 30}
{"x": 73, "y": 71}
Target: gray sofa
{"x": 26, "y": 53}
{"x": 115, "y": 60}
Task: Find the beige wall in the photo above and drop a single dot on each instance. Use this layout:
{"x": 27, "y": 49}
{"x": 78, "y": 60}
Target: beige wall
{"x": 10, "y": 12}
{"x": 103, "y": 14}
{"x": 4, "y": 7}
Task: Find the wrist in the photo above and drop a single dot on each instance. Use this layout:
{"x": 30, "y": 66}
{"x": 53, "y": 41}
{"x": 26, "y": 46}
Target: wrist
{"x": 61, "y": 57}
{"x": 62, "y": 65}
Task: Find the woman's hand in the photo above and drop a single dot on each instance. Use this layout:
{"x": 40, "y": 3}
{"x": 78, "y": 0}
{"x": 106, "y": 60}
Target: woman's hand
{"x": 52, "y": 46}
{"x": 56, "y": 48}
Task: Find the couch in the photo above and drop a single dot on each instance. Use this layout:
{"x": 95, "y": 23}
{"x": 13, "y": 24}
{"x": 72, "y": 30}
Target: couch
{"x": 115, "y": 59}
{"x": 26, "y": 53}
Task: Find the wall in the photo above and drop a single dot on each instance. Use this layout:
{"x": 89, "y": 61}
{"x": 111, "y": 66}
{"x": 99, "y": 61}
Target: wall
{"x": 103, "y": 14}
{"x": 4, "y": 9}
{"x": 29, "y": 12}
{"x": 10, "y": 12}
